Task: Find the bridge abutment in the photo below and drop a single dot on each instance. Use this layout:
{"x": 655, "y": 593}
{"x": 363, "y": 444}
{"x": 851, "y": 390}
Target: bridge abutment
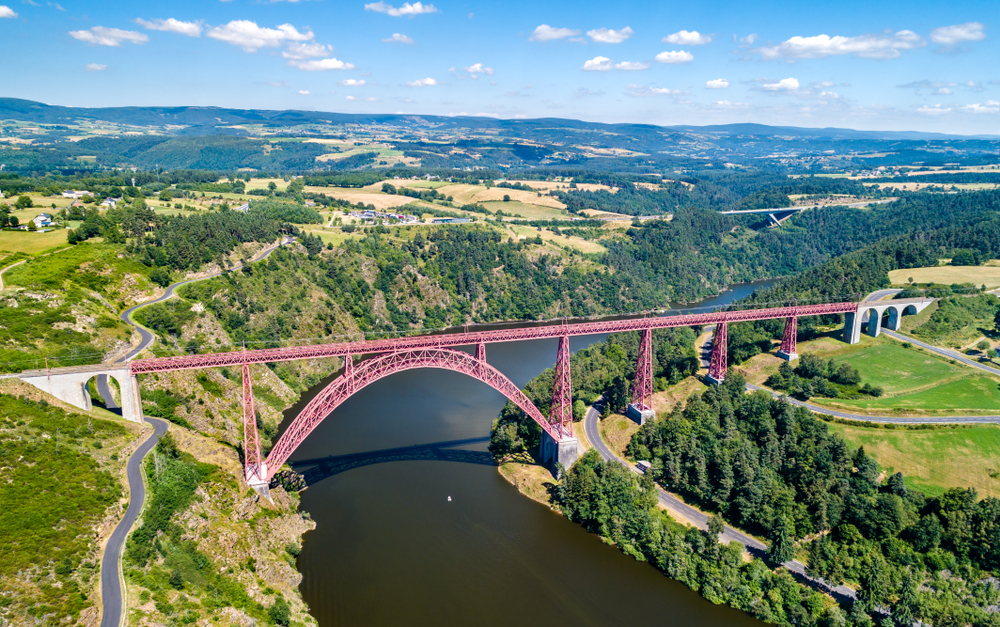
{"x": 70, "y": 386}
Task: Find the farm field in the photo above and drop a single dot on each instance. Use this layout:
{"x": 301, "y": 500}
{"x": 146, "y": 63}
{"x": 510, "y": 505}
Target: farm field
{"x": 976, "y": 395}
{"x": 584, "y": 246}
{"x": 979, "y": 275}
{"x": 527, "y": 211}
{"x": 32, "y": 243}
{"x": 899, "y": 370}
{"x": 933, "y": 460}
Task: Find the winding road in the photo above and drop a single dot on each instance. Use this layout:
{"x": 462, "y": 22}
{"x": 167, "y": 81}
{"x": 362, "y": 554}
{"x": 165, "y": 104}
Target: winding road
{"x": 682, "y": 511}
{"x": 112, "y": 596}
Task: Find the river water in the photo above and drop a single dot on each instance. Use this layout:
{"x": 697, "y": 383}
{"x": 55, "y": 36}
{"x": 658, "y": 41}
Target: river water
{"x": 437, "y": 537}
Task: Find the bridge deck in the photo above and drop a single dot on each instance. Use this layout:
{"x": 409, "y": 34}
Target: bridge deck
{"x": 232, "y": 358}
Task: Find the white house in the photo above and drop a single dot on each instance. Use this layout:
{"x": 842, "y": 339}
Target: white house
{"x": 42, "y": 220}
{"x": 75, "y": 194}
{"x": 110, "y": 203}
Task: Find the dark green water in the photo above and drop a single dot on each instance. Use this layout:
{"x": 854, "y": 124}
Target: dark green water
{"x": 391, "y": 549}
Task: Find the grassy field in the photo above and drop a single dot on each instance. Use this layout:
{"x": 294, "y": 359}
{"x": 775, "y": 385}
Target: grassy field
{"x": 934, "y": 460}
{"x": 901, "y": 370}
{"x": 585, "y": 246}
{"x": 971, "y": 395}
{"x": 617, "y": 430}
{"x": 527, "y": 211}
{"x": 979, "y": 275}
{"x": 30, "y": 242}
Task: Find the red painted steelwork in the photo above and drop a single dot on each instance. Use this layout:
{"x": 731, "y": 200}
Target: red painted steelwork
{"x": 374, "y": 369}
{"x": 562, "y": 390}
{"x": 167, "y": 364}
{"x": 717, "y": 368}
{"x": 642, "y": 387}
{"x": 251, "y": 443}
{"x": 789, "y": 338}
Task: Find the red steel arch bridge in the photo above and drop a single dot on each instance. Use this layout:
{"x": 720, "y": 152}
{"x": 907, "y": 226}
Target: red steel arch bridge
{"x": 389, "y": 356}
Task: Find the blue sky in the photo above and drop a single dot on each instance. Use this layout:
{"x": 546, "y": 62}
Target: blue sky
{"x": 916, "y": 65}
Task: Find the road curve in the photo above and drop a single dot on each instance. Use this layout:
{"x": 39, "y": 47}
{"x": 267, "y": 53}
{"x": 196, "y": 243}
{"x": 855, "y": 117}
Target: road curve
{"x": 111, "y": 581}
{"x": 683, "y": 510}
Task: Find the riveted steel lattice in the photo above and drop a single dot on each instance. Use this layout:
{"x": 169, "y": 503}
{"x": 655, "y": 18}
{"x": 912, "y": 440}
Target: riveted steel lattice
{"x": 251, "y": 443}
{"x": 292, "y": 353}
{"x": 562, "y": 389}
{"x": 374, "y": 369}
{"x": 789, "y": 338}
{"x": 642, "y": 387}
{"x": 717, "y": 367}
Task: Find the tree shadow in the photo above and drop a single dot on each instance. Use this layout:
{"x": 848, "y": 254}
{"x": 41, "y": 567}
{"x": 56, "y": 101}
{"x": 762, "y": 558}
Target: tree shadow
{"x": 316, "y": 470}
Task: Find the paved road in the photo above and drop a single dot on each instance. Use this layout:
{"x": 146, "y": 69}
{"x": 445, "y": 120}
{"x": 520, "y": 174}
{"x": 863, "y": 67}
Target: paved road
{"x": 111, "y": 583}
{"x": 675, "y": 505}
{"x": 804, "y": 207}
{"x": 111, "y": 589}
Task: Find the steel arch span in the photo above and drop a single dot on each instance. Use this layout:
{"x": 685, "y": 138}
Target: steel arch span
{"x": 357, "y": 377}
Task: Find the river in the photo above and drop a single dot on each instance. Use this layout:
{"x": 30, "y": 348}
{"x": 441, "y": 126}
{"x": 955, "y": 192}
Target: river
{"x": 449, "y": 541}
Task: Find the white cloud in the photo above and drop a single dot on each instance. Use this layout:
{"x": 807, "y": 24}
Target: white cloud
{"x": 247, "y": 35}
{"x": 319, "y": 65}
{"x": 422, "y": 82}
{"x": 398, "y": 38}
{"x": 360, "y": 99}
{"x": 934, "y": 110}
{"x": 191, "y": 29}
{"x": 545, "y": 32}
{"x": 6, "y": 11}
{"x": 990, "y": 106}
{"x": 631, "y": 65}
{"x": 867, "y": 46}
{"x": 610, "y": 36}
{"x": 103, "y": 36}
{"x": 640, "y": 91}
{"x": 597, "y": 64}
{"x": 718, "y": 83}
{"x": 95, "y": 67}
{"x": 959, "y": 33}
{"x": 785, "y": 84}
{"x": 944, "y": 91}
{"x": 688, "y": 38}
{"x": 725, "y": 104}
{"x": 297, "y": 50}
{"x": 407, "y": 10}
{"x": 749, "y": 39}
{"x": 479, "y": 68}
{"x": 675, "y": 56}
{"x": 352, "y": 82}
{"x": 304, "y": 92}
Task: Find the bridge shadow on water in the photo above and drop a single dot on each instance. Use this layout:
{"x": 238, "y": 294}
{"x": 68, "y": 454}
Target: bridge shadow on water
{"x": 316, "y": 470}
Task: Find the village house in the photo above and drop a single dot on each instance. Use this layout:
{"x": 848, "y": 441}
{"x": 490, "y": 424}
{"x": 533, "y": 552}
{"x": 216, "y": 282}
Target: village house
{"x": 42, "y": 220}
{"x": 75, "y": 194}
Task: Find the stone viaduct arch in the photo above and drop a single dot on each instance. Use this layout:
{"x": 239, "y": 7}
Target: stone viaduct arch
{"x": 559, "y": 446}
{"x": 872, "y": 313}
{"x": 70, "y": 386}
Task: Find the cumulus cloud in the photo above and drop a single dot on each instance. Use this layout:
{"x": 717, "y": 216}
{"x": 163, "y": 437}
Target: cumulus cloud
{"x": 304, "y": 92}
{"x": 352, "y": 82}
{"x": 407, "y": 10}
{"x": 718, "y": 83}
{"x": 95, "y": 67}
{"x": 610, "y": 36}
{"x": 959, "y": 33}
{"x": 251, "y": 37}
{"x": 422, "y": 82}
{"x": 320, "y": 65}
{"x": 990, "y": 106}
{"x": 687, "y": 38}
{"x": 6, "y": 11}
{"x": 934, "y": 110}
{"x": 479, "y": 68}
{"x": 785, "y": 84}
{"x": 297, "y": 50}
{"x": 360, "y": 99}
{"x": 597, "y": 64}
{"x": 866, "y": 46}
{"x": 103, "y": 36}
{"x": 398, "y": 38}
{"x": 631, "y": 66}
{"x": 191, "y": 29}
{"x": 640, "y": 91}
{"x": 675, "y": 56}
{"x": 544, "y": 32}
